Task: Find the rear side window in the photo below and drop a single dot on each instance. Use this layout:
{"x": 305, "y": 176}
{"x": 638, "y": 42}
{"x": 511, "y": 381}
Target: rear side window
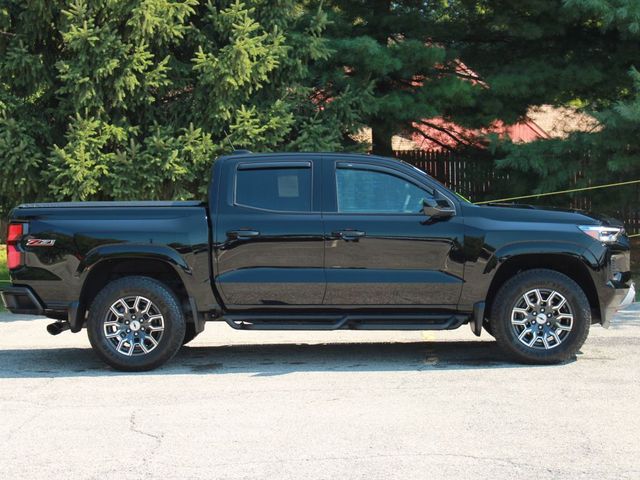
{"x": 280, "y": 189}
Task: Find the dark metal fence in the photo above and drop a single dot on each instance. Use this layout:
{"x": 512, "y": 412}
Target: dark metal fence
{"x": 472, "y": 173}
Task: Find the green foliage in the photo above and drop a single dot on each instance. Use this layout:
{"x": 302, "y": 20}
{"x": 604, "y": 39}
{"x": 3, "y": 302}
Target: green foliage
{"x": 609, "y": 154}
{"x": 125, "y": 99}
{"x": 21, "y": 159}
{"x": 576, "y": 53}
{"x": 383, "y": 50}
{"x": 115, "y": 99}
{"x": 4, "y": 271}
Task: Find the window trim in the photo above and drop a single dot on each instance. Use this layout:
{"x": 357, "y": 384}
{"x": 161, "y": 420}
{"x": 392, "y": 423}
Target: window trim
{"x": 272, "y": 165}
{"x": 298, "y": 165}
{"x": 346, "y": 165}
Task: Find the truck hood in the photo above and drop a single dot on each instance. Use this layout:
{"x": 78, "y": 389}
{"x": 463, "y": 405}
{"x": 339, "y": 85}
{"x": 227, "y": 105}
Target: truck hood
{"x": 537, "y": 213}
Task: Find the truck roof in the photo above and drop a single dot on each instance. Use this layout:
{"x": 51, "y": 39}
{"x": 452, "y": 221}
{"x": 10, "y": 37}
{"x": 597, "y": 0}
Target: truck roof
{"x": 246, "y": 155}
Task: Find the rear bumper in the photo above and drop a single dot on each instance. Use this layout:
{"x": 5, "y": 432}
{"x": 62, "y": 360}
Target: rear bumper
{"x": 21, "y": 300}
{"x": 622, "y": 298}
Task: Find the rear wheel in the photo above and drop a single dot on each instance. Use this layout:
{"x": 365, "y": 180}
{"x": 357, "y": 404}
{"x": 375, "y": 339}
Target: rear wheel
{"x": 540, "y": 316}
{"x": 136, "y": 324}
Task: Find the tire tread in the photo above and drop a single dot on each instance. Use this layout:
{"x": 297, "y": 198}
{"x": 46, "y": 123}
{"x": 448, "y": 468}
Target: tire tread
{"x": 175, "y": 330}
{"x": 544, "y": 278}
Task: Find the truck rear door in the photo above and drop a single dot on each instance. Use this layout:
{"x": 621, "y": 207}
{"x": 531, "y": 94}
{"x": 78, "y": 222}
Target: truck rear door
{"x": 268, "y": 234}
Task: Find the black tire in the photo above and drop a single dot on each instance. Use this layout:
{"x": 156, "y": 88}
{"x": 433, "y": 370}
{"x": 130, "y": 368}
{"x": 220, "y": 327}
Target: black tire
{"x": 514, "y": 291}
{"x": 487, "y": 327}
{"x": 164, "y": 302}
{"x": 189, "y": 334}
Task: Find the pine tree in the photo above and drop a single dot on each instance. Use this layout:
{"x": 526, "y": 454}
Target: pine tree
{"x": 577, "y": 53}
{"x": 384, "y": 50}
{"x": 114, "y": 99}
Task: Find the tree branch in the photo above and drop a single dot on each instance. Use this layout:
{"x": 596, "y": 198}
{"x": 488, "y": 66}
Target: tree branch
{"x": 431, "y": 139}
{"x": 446, "y": 132}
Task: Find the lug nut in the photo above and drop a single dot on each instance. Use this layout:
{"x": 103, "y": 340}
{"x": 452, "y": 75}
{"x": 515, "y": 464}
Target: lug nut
{"x": 128, "y": 331}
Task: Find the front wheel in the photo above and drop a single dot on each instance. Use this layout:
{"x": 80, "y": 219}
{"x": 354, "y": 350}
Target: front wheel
{"x": 136, "y": 324}
{"x": 189, "y": 334}
{"x": 540, "y": 316}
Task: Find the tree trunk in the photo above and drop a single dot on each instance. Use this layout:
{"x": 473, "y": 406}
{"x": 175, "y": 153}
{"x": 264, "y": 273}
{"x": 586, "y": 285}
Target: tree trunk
{"x": 381, "y": 132}
{"x": 381, "y": 140}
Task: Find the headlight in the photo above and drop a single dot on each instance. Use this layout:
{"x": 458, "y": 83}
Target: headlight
{"x": 602, "y": 234}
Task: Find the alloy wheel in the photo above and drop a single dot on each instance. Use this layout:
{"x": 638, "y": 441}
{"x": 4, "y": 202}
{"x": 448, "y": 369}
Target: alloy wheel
{"x": 133, "y": 326}
{"x": 542, "y": 318}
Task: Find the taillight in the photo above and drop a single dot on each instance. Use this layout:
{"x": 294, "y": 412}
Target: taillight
{"x": 14, "y": 256}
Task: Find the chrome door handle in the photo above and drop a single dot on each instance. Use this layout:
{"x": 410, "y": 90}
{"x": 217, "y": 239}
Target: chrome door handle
{"x": 242, "y": 234}
{"x": 349, "y": 235}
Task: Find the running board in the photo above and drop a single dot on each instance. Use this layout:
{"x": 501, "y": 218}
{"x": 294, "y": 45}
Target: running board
{"x": 351, "y": 321}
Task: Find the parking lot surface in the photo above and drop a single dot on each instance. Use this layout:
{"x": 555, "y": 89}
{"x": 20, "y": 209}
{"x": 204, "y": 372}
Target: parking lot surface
{"x": 326, "y": 405}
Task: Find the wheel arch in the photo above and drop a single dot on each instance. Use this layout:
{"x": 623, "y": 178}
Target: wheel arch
{"x": 570, "y": 265}
{"x": 106, "y": 268}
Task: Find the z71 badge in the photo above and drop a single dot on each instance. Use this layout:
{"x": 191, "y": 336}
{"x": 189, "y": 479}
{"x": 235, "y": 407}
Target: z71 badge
{"x": 39, "y": 242}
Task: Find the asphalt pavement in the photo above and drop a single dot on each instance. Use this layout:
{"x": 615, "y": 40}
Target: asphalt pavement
{"x": 320, "y": 405}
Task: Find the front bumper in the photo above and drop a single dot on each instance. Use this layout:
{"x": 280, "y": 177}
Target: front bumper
{"x": 21, "y": 300}
{"x": 622, "y": 298}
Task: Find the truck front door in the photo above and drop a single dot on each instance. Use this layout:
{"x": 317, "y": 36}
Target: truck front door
{"x": 380, "y": 248}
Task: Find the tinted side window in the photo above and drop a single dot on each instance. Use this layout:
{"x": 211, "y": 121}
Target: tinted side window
{"x": 369, "y": 191}
{"x": 282, "y": 189}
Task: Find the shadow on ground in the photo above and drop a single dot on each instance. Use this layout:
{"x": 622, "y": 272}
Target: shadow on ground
{"x": 268, "y": 360}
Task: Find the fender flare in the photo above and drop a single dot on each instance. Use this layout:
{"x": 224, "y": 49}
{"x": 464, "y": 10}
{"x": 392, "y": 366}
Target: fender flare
{"x": 510, "y": 250}
{"x": 106, "y": 253}
{"x": 132, "y": 250}
{"x": 576, "y": 252}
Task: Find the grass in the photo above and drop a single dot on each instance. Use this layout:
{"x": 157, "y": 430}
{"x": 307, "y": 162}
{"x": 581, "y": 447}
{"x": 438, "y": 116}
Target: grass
{"x": 4, "y": 271}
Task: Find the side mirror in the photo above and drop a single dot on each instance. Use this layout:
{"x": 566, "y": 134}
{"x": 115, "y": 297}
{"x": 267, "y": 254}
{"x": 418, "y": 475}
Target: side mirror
{"x": 437, "y": 208}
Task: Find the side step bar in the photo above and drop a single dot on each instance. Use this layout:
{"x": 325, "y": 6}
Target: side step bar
{"x": 350, "y": 321}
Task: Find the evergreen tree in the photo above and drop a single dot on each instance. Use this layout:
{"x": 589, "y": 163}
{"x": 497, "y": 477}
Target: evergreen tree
{"x": 124, "y": 99}
{"x": 384, "y": 50}
{"x": 578, "y": 53}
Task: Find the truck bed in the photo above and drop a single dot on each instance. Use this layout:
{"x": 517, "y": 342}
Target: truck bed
{"x": 130, "y": 204}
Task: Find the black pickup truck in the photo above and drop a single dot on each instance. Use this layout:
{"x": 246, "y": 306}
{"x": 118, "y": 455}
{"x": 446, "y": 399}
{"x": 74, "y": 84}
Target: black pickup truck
{"x": 316, "y": 241}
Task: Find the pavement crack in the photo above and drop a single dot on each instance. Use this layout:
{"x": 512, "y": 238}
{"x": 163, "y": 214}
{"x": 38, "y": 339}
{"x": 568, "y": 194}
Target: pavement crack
{"x": 135, "y": 429}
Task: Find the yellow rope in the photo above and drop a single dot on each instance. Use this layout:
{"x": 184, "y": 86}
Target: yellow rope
{"x": 559, "y": 192}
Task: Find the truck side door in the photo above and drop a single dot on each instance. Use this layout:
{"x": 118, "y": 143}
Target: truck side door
{"x": 380, "y": 248}
{"x": 268, "y": 235}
